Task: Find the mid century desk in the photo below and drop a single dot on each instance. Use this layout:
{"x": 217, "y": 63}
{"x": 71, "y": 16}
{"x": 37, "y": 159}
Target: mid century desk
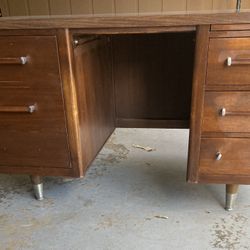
{"x": 67, "y": 82}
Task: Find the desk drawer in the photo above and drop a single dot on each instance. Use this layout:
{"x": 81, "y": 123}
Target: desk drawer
{"x": 33, "y": 129}
{"x": 229, "y": 61}
{"x": 228, "y": 156}
{"x": 226, "y": 112}
{"x": 28, "y": 58}
{"x": 32, "y": 118}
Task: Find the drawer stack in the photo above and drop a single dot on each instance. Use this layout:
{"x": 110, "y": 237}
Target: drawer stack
{"x": 224, "y": 155}
{"x": 32, "y": 117}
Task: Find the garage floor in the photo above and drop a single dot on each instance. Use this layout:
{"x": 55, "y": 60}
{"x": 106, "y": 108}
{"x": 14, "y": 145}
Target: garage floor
{"x": 129, "y": 199}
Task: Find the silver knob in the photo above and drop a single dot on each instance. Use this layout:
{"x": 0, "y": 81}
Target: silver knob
{"x": 76, "y": 42}
{"x": 218, "y": 156}
{"x": 24, "y": 59}
{"x": 229, "y": 61}
{"x": 223, "y": 111}
{"x": 32, "y": 108}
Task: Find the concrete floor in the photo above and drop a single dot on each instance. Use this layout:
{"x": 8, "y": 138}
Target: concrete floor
{"x": 129, "y": 199}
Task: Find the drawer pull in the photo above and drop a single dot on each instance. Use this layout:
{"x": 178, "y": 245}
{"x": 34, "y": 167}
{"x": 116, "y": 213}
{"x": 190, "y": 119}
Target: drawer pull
{"x": 243, "y": 61}
{"x": 218, "y": 156}
{"x": 14, "y": 61}
{"x": 223, "y": 112}
{"x": 18, "y": 109}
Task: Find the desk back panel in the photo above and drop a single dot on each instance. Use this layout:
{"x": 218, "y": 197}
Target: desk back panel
{"x": 153, "y": 79}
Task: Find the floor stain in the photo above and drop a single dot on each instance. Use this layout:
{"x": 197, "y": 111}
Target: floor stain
{"x": 228, "y": 232}
{"x": 118, "y": 153}
{"x": 10, "y": 186}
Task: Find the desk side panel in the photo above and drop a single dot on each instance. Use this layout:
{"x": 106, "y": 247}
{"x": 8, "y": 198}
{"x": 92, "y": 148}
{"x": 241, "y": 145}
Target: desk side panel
{"x": 93, "y": 73}
{"x": 199, "y": 78}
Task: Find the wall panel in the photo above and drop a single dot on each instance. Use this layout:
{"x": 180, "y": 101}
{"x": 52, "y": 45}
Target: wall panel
{"x": 103, "y": 6}
{"x": 173, "y": 5}
{"x": 202, "y": 5}
{"x": 81, "y": 6}
{"x": 224, "y": 4}
{"x": 18, "y": 8}
{"x": 60, "y": 7}
{"x": 245, "y": 4}
{"x": 150, "y": 6}
{"x": 126, "y": 6}
{"x": 38, "y": 8}
{"x": 65, "y": 7}
{"x": 4, "y": 8}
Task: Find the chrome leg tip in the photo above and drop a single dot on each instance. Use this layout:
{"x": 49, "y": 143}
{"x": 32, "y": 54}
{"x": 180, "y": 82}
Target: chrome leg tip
{"x": 230, "y": 201}
{"x": 38, "y": 191}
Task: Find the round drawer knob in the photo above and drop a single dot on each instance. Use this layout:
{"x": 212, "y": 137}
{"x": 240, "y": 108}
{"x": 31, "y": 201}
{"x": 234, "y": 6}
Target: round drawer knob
{"x": 76, "y": 42}
{"x": 218, "y": 156}
{"x": 223, "y": 112}
{"x": 229, "y": 61}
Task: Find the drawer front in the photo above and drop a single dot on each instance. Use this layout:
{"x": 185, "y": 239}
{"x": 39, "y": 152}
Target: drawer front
{"x": 226, "y": 112}
{"x": 228, "y": 156}
{"x": 37, "y": 139}
{"x": 28, "y": 58}
{"x": 229, "y": 61}
{"x": 33, "y": 129}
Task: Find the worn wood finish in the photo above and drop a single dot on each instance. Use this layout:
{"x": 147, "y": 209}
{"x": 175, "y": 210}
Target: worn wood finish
{"x": 123, "y": 21}
{"x": 38, "y": 139}
{"x": 237, "y": 112}
{"x": 230, "y": 27}
{"x": 153, "y": 77}
{"x": 39, "y": 170}
{"x": 235, "y": 159}
{"x": 95, "y": 93}
{"x": 199, "y": 78}
{"x": 219, "y": 50}
{"x": 41, "y": 53}
{"x": 230, "y": 34}
{"x": 66, "y": 60}
{"x": 134, "y": 30}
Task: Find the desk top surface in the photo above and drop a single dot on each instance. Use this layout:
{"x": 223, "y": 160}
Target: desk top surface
{"x": 123, "y": 21}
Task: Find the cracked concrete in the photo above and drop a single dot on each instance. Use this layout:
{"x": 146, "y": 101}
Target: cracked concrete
{"x": 129, "y": 199}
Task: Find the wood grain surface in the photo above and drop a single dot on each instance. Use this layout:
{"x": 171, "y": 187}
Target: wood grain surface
{"x": 153, "y": 78}
{"x": 122, "y": 21}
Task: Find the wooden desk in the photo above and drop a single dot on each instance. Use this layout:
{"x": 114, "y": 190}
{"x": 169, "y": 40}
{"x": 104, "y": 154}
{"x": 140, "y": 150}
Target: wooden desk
{"x": 66, "y": 83}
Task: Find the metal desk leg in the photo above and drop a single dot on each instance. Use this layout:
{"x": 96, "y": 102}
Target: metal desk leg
{"x": 231, "y": 195}
{"x": 37, "y": 186}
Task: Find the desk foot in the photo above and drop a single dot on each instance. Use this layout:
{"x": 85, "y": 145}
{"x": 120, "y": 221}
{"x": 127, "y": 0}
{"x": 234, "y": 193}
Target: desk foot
{"x": 231, "y": 196}
{"x": 37, "y": 186}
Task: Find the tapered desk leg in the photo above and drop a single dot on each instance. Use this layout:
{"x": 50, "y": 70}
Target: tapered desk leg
{"x": 37, "y": 183}
{"x": 231, "y": 195}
